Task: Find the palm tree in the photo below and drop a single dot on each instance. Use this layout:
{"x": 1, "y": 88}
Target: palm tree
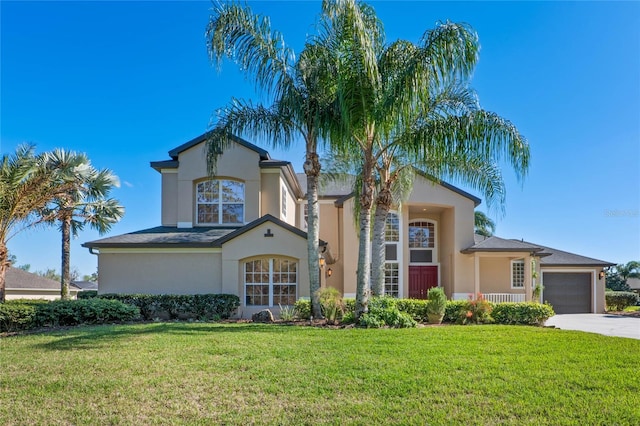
{"x": 483, "y": 225}
{"x": 28, "y": 182}
{"x": 85, "y": 202}
{"x": 302, "y": 95}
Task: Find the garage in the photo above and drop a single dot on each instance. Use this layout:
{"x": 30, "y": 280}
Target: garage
{"x": 568, "y": 292}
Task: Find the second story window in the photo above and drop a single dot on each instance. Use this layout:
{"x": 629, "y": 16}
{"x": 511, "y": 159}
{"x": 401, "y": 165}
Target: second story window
{"x": 284, "y": 202}
{"x": 220, "y": 202}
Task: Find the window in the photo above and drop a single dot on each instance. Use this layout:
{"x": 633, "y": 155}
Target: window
{"x": 269, "y": 282}
{"x": 392, "y": 265}
{"x": 220, "y": 202}
{"x": 517, "y": 273}
{"x": 284, "y": 202}
{"x": 305, "y": 218}
{"x": 422, "y": 242}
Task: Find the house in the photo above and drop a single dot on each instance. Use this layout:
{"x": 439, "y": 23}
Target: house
{"x": 243, "y": 232}
{"x": 86, "y": 285}
{"x": 20, "y": 284}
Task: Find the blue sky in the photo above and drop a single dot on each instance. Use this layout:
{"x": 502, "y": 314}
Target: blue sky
{"x": 126, "y": 82}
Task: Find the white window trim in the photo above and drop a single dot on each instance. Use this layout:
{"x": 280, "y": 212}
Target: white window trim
{"x": 399, "y": 251}
{"x": 513, "y": 262}
{"x": 434, "y": 258}
{"x": 220, "y": 203}
{"x": 271, "y": 283}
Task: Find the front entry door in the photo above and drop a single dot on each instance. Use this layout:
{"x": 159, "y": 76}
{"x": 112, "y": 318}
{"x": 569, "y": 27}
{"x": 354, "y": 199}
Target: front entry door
{"x": 421, "y": 279}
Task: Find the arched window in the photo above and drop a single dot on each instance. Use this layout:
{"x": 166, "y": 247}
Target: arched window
{"x": 422, "y": 241}
{"x": 270, "y": 282}
{"x": 220, "y": 202}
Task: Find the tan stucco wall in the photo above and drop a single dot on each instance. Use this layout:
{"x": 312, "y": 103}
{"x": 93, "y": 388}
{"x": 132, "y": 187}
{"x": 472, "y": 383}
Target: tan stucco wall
{"x": 160, "y": 272}
{"x": 331, "y": 227}
{"x": 495, "y": 275}
{"x": 237, "y": 163}
{"x": 254, "y": 244}
{"x": 270, "y": 195}
{"x": 169, "y": 198}
{"x": 349, "y": 247}
{"x": 600, "y": 304}
{"x": 292, "y": 211}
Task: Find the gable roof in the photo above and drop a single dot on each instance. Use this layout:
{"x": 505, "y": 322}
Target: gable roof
{"x": 343, "y": 190}
{"x": 175, "y": 152}
{"x": 199, "y": 237}
{"x": 17, "y": 278}
{"x": 548, "y": 256}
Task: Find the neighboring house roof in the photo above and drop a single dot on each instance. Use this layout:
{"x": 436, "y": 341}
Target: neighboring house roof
{"x": 548, "y": 256}
{"x": 164, "y": 236}
{"x": 17, "y": 278}
{"x": 634, "y": 283}
{"x": 85, "y": 285}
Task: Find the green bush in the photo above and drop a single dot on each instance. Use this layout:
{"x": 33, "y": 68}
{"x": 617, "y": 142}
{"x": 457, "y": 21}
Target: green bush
{"x": 303, "y": 308}
{"x": 455, "y": 309}
{"x": 331, "y": 301}
{"x": 383, "y": 311}
{"x": 618, "y": 300}
{"x": 522, "y": 313}
{"x": 180, "y": 307}
{"x": 88, "y": 311}
{"x": 87, "y": 294}
{"x": 17, "y": 315}
{"x": 416, "y": 308}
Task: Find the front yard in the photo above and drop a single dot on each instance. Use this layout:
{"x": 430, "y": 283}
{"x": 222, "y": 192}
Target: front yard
{"x": 198, "y": 373}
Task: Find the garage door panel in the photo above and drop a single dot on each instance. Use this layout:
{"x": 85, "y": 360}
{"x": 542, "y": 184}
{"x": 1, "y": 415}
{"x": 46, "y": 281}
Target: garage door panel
{"x": 568, "y": 292}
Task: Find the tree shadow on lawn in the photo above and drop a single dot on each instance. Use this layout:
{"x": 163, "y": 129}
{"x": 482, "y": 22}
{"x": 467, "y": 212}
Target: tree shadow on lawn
{"x": 95, "y": 337}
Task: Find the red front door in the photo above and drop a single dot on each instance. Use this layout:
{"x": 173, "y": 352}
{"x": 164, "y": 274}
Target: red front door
{"x": 421, "y": 279}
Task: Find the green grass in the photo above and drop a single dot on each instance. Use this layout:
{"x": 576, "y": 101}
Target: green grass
{"x": 263, "y": 374}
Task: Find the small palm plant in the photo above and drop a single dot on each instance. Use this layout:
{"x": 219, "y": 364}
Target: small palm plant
{"x": 436, "y": 306}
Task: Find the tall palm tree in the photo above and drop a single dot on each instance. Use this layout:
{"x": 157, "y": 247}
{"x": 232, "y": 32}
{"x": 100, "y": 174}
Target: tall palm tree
{"x": 483, "y": 224}
{"x": 85, "y": 202}
{"x": 302, "y": 100}
{"x": 394, "y": 96}
{"x": 28, "y": 182}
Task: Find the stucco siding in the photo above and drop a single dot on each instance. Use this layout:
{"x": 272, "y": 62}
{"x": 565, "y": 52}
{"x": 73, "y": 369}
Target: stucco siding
{"x": 270, "y": 195}
{"x": 291, "y": 210}
{"x": 169, "y": 198}
{"x": 495, "y": 276}
{"x": 160, "y": 272}
{"x": 237, "y": 163}
{"x": 330, "y": 229}
{"x": 349, "y": 248}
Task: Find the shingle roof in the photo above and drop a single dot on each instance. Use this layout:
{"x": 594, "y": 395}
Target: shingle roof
{"x": 171, "y": 236}
{"x": 163, "y": 236}
{"x": 175, "y": 152}
{"x": 86, "y": 285}
{"x": 497, "y": 244}
{"x": 548, "y": 256}
{"x": 17, "y": 278}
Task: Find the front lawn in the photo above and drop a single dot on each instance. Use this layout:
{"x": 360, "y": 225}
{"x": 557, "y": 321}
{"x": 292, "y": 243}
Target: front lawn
{"x": 190, "y": 373}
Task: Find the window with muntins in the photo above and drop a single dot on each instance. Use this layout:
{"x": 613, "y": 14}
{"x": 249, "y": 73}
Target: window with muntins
{"x": 220, "y": 202}
{"x": 270, "y": 282}
{"x": 422, "y": 242}
{"x": 517, "y": 273}
{"x": 391, "y": 265}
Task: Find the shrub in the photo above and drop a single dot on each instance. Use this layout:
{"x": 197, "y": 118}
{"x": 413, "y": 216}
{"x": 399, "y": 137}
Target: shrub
{"x": 436, "y": 305}
{"x": 331, "y": 301}
{"x": 17, "y": 315}
{"x": 180, "y": 307}
{"x": 87, "y": 294}
{"x": 302, "y": 308}
{"x": 416, "y": 308}
{"x": 618, "y": 300}
{"x": 455, "y": 309}
{"x": 383, "y": 311}
{"x": 477, "y": 311}
{"x": 88, "y": 311}
{"x": 523, "y": 313}
{"x": 287, "y": 313}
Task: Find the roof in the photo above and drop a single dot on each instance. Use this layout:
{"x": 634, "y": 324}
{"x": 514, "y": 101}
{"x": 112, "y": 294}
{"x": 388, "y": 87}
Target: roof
{"x": 17, "y": 278}
{"x": 548, "y": 256}
{"x": 199, "y": 237}
{"x": 497, "y": 244}
{"x": 175, "y": 152}
{"x": 343, "y": 189}
{"x": 85, "y": 285}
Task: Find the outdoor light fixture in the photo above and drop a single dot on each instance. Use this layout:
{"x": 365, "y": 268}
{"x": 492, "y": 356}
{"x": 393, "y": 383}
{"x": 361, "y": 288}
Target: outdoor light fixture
{"x": 329, "y": 272}
{"x": 601, "y": 274}
{"x": 322, "y": 262}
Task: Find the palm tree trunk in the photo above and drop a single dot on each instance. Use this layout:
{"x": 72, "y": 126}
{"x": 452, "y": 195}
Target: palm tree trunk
{"x": 312, "y": 170}
{"x": 66, "y": 249}
{"x": 4, "y": 264}
{"x": 378, "y": 249}
{"x": 364, "y": 250}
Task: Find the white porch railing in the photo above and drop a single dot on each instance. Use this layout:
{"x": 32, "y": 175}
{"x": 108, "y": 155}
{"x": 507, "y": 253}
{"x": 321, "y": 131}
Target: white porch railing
{"x": 503, "y": 297}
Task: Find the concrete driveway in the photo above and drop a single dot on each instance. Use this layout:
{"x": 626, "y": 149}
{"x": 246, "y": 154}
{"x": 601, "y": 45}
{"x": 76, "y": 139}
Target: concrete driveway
{"x": 609, "y": 325}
